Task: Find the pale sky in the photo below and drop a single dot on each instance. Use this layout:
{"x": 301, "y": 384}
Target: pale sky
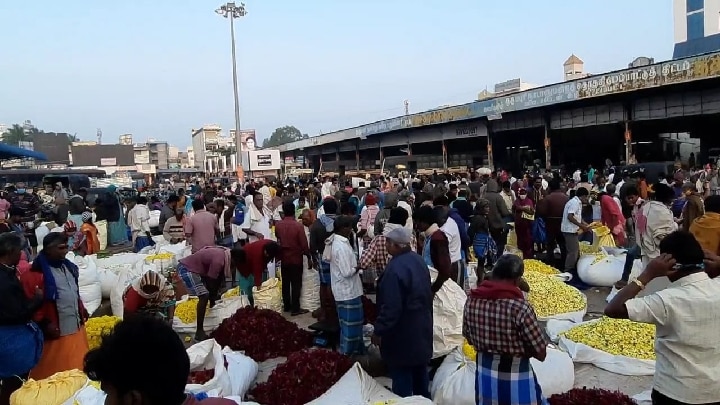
{"x": 158, "y": 68}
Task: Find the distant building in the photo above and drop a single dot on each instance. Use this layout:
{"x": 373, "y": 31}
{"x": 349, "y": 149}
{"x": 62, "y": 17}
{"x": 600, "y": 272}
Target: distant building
{"x": 641, "y": 61}
{"x": 56, "y": 146}
{"x": 159, "y": 153}
{"x": 102, "y": 155}
{"x": 212, "y": 151}
{"x": 574, "y": 68}
{"x": 697, "y": 27}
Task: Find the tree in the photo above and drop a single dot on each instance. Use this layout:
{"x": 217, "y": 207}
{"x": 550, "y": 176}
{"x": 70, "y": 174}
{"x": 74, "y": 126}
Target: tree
{"x": 15, "y": 135}
{"x": 73, "y": 138}
{"x": 283, "y": 135}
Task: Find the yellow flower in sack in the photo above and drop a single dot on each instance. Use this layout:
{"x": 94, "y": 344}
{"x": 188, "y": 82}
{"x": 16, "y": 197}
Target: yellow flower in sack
{"x": 233, "y": 292}
{"x": 620, "y": 337}
{"x": 160, "y": 256}
{"x": 551, "y": 296}
{"x": 53, "y": 390}
{"x": 96, "y": 328}
{"x": 537, "y": 266}
{"x": 187, "y": 311}
{"x": 469, "y": 351}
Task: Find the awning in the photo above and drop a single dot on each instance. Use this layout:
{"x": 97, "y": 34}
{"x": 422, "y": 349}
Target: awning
{"x": 8, "y": 152}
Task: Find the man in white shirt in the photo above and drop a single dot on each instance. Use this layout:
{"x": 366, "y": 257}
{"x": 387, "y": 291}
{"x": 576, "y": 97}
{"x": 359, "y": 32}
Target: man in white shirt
{"x": 685, "y": 314}
{"x": 571, "y": 223}
{"x": 449, "y": 227}
{"x": 257, "y": 219}
{"x": 346, "y": 286}
{"x": 327, "y": 189}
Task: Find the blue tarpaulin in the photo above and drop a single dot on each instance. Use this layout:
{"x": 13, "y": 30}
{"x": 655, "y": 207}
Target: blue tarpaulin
{"x": 13, "y": 152}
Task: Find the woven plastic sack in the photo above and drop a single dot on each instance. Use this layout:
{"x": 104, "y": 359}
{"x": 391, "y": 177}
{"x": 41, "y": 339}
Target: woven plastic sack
{"x": 269, "y": 295}
{"x": 448, "y": 307}
{"x": 55, "y": 389}
{"x": 102, "y": 228}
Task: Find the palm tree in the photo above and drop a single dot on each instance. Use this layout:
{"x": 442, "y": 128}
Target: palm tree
{"x": 15, "y": 135}
{"x": 73, "y": 138}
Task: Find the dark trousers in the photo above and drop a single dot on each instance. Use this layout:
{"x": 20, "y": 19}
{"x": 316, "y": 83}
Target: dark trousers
{"x": 409, "y": 381}
{"x": 500, "y": 238}
{"x": 632, "y": 254}
{"x": 660, "y": 399}
{"x": 555, "y": 239}
{"x": 291, "y": 285}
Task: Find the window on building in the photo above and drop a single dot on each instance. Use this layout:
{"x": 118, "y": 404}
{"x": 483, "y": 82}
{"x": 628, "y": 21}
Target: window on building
{"x": 694, "y": 5}
{"x": 695, "y": 26}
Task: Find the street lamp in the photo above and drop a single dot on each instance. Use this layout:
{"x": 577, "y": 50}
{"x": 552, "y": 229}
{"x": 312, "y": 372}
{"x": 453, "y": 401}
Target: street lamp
{"x": 232, "y": 11}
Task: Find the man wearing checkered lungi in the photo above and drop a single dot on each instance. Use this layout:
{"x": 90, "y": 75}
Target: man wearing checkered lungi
{"x": 503, "y": 328}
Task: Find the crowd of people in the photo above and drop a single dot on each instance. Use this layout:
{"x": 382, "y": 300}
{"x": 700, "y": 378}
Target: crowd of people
{"x": 386, "y": 235}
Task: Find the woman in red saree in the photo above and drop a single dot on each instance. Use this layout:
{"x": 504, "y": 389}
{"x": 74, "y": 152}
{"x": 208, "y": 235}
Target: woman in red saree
{"x": 611, "y": 215}
{"x": 524, "y": 210}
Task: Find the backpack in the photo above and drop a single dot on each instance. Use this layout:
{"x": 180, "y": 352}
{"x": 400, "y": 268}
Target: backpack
{"x": 239, "y": 214}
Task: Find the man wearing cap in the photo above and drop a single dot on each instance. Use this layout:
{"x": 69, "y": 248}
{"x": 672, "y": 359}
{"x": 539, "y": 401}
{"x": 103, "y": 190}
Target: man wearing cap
{"x": 403, "y": 328}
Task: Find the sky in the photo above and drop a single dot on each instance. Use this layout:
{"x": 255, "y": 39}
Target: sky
{"x": 157, "y": 69}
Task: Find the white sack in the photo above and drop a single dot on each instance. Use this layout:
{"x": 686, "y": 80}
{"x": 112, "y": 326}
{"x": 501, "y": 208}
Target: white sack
{"x": 154, "y": 218}
{"x": 207, "y": 355}
{"x": 87, "y": 395}
{"x": 355, "y": 387}
{"x": 102, "y": 228}
{"x": 448, "y": 307}
{"x": 223, "y": 309}
{"x": 108, "y": 279}
{"x": 238, "y": 400}
{"x": 310, "y": 290}
{"x": 125, "y": 278}
{"x": 582, "y": 353}
{"x": 603, "y": 273}
{"x": 41, "y": 232}
{"x": 269, "y": 295}
{"x": 242, "y": 371}
{"x": 88, "y": 283}
{"x": 556, "y": 375}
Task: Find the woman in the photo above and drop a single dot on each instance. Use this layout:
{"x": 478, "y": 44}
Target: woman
{"x": 524, "y": 211}
{"x": 86, "y": 242}
{"x": 484, "y": 246}
{"x": 117, "y": 227}
{"x": 62, "y": 315}
{"x": 150, "y": 294}
{"x": 367, "y": 220}
{"x": 611, "y": 215}
{"x": 21, "y": 340}
{"x": 503, "y": 328}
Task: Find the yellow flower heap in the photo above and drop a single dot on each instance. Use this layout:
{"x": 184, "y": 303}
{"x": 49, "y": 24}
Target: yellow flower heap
{"x": 536, "y": 266}
{"x": 160, "y": 256}
{"x": 187, "y": 311}
{"x": 550, "y": 296}
{"x": 469, "y": 351}
{"x": 620, "y": 337}
{"x": 95, "y": 328}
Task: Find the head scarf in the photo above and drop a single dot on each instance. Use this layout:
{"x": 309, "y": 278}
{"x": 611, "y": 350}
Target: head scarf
{"x": 69, "y": 226}
{"x": 150, "y": 278}
{"x": 370, "y": 199}
{"x": 111, "y": 188}
{"x": 86, "y": 216}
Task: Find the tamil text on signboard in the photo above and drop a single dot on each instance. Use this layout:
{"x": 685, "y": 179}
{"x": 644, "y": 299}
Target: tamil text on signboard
{"x": 678, "y": 71}
{"x": 264, "y": 160}
{"x": 544, "y": 96}
{"x": 461, "y": 112}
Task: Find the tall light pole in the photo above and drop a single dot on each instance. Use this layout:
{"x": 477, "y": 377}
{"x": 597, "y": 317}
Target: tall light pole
{"x": 232, "y": 11}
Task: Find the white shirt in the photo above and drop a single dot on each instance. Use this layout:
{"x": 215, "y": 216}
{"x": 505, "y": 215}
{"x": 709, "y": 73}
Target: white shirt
{"x": 573, "y": 206}
{"x": 138, "y": 219}
{"x": 344, "y": 278}
{"x": 687, "y": 365}
{"x": 618, "y": 187}
{"x": 617, "y": 201}
{"x": 576, "y": 176}
{"x": 327, "y": 190}
{"x": 450, "y": 229}
{"x": 261, "y": 226}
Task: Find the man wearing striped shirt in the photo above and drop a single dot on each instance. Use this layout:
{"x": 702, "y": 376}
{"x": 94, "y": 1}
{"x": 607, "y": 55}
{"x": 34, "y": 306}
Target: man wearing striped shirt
{"x": 174, "y": 229}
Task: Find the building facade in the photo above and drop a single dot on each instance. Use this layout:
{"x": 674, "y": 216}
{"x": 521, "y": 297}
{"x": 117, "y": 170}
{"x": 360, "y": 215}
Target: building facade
{"x": 697, "y": 27}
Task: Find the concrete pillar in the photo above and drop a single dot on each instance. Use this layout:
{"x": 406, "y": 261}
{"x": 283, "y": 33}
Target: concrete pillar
{"x": 546, "y": 142}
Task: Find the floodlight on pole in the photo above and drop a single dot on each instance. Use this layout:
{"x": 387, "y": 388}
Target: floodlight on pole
{"x": 232, "y": 11}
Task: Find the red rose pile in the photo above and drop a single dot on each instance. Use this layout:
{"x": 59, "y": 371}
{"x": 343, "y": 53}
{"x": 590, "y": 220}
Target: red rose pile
{"x": 591, "y": 396}
{"x": 262, "y": 334}
{"x": 200, "y": 376}
{"x": 305, "y": 376}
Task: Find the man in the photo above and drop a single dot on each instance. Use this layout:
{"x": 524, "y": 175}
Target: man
{"x": 551, "y": 209}
{"x": 436, "y": 251}
{"x": 258, "y": 255}
{"x": 706, "y": 229}
{"x": 693, "y": 208}
{"x": 201, "y": 229}
{"x": 633, "y": 200}
{"x": 294, "y": 244}
{"x": 174, "y": 229}
{"x": 375, "y": 258}
{"x": 204, "y": 273}
{"x": 168, "y": 210}
{"x": 257, "y": 219}
{"x": 685, "y": 316}
{"x": 404, "y": 326}
{"x": 133, "y": 341}
{"x": 454, "y": 237}
{"x": 138, "y": 221}
{"x": 463, "y": 206}
{"x": 346, "y": 286}
{"x": 498, "y": 211}
{"x": 572, "y": 222}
